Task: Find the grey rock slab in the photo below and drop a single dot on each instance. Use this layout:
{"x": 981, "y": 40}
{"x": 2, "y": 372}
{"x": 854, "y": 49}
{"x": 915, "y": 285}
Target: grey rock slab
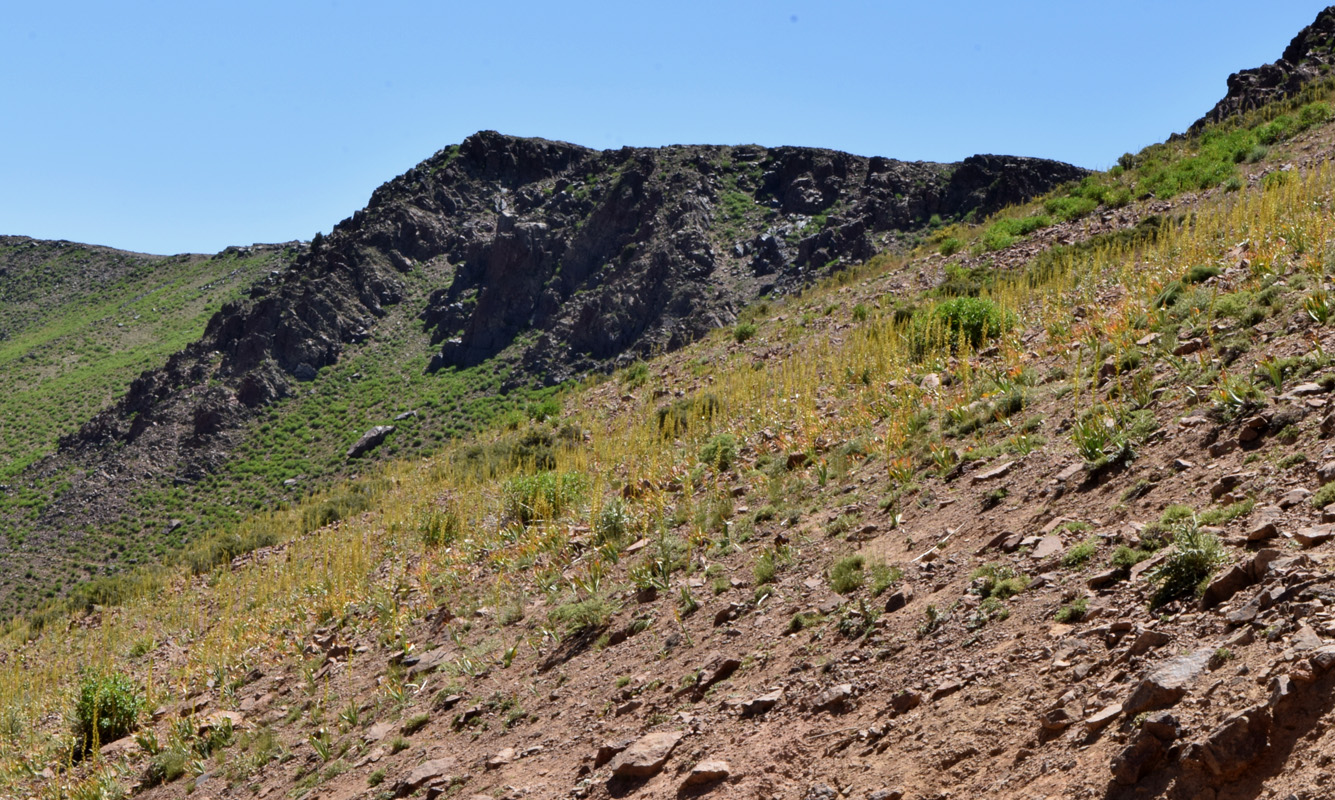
{"x": 1293, "y": 497}
{"x": 437, "y": 770}
{"x": 1314, "y": 535}
{"x": 994, "y": 473}
{"x": 1223, "y": 587}
{"x": 1047, "y": 547}
{"x": 1148, "y": 641}
{"x": 1306, "y": 639}
{"x": 370, "y": 440}
{"x": 1168, "y": 682}
{"x": 1100, "y": 719}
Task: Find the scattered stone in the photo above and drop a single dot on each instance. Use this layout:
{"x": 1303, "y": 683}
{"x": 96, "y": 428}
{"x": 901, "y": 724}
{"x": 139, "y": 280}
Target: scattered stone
{"x": 428, "y": 772}
{"x": 1314, "y": 535}
{"x": 369, "y": 441}
{"x": 902, "y": 597}
{"x": 759, "y": 705}
{"x": 628, "y": 707}
{"x": 1147, "y": 641}
{"x": 797, "y": 460}
{"x": 834, "y": 699}
{"x": 727, "y": 614}
{"x": 717, "y": 668}
{"x": 1253, "y": 428}
{"x": 1324, "y": 658}
{"x": 501, "y": 759}
{"x": 1305, "y": 390}
{"x": 865, "y": 533}
{"x": 1047, "y": 547}
{"x": 428, "y": 662}
{"x": 1222, "y": 588}
{"x": 1182, "y": 465}
{"x": 946, "y": 689}
{"x": 1058, "y": 719}
{"x": 1294, "y": 497}
{"x": 708, "y": 772}
{"x": 1167, "y": 683}
{"x": 1306, "y": 639}
{"x": 1162, "y": 725}
{"x": 994, "y": 473}
{"x": 1100, "y": 719}
{"x": 1104, "y": 578}
{"x": 1189, "y": 346}
{"x": 608, "y": 751}
{"x": 906, "y": 701}
{"x": 1070, "y": 472}
{"x": 646, "y": 757}
{"x": 1230, "y": 750}
{"x": 1227, "y": 483}
{"x": 1137, "y": 759}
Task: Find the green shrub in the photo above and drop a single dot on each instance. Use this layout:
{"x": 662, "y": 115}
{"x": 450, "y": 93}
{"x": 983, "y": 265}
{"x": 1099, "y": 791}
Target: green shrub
{"x": 1188, "y": 567}
{"x": 967, "y": 320}
{"x": 439, "y": 527}
{"x": 544, "y": 496}
{"x": 106, "y": 708}
{"x": 1075, "y": 611}
{"x": 950, "y": 246}
{"x": 584, "y": 616}
{"x": 883, "y": 576}
{"x": 720, "y": 452}
{"x": 1201, "y": 273}
{"x": 613, "y": 523}
{"x": 743, "y": 332}
{"x": 768, "y": 564}
{"x": 998, "y": 580}
{"x": 1220, "y": 516}
{"x": 1005, "y": 232}
{"x": 990, "y": 609}
{"x": 1078, "y": 555}
{"x": 682, "y": 415}
{"x": 1324, "y": 496}
{"x": 846, "y": 574}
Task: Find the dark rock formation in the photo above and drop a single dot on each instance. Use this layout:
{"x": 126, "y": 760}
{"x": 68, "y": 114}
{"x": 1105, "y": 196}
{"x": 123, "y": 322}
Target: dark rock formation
{"x": 1307, "y": 58}
{"x": 555, "y": 257}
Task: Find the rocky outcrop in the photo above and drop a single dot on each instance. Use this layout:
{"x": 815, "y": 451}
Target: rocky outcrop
{"x": 1307, "y": 58}
{"x": 557, "y": 258}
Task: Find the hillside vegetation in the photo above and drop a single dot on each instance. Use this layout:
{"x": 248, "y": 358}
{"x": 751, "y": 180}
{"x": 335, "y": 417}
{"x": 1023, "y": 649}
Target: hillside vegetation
{"x": 468, "y": 292}
{"x": 938, "y": 522}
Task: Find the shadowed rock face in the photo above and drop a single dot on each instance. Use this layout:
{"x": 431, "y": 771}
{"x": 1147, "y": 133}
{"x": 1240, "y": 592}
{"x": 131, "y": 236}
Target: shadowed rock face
{"x": 1308, "y": 57}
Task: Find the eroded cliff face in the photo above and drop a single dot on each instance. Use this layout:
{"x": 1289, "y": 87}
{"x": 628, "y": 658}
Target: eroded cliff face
{"x": 1308, "y": 57}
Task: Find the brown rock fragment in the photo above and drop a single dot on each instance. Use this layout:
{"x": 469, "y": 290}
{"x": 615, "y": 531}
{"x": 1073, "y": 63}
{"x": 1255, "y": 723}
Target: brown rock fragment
{"x": 708, "y": 772}
{"x": 646, "y": 756}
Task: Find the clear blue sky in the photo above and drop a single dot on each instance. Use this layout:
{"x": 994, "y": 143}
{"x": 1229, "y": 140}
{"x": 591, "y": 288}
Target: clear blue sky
{"x": 187, "y": 126}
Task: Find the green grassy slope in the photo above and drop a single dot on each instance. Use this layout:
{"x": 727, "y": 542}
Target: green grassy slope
{"x": 77, "y": 323}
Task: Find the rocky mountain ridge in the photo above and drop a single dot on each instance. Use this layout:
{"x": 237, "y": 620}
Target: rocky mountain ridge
{"x": 553, "y": 258}
{"x": 1308, "y": 58}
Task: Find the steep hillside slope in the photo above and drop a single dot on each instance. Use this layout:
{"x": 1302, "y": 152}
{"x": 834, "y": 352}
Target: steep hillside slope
{"x": 1040, "y": 509}
{"x": 486, "y": 273}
